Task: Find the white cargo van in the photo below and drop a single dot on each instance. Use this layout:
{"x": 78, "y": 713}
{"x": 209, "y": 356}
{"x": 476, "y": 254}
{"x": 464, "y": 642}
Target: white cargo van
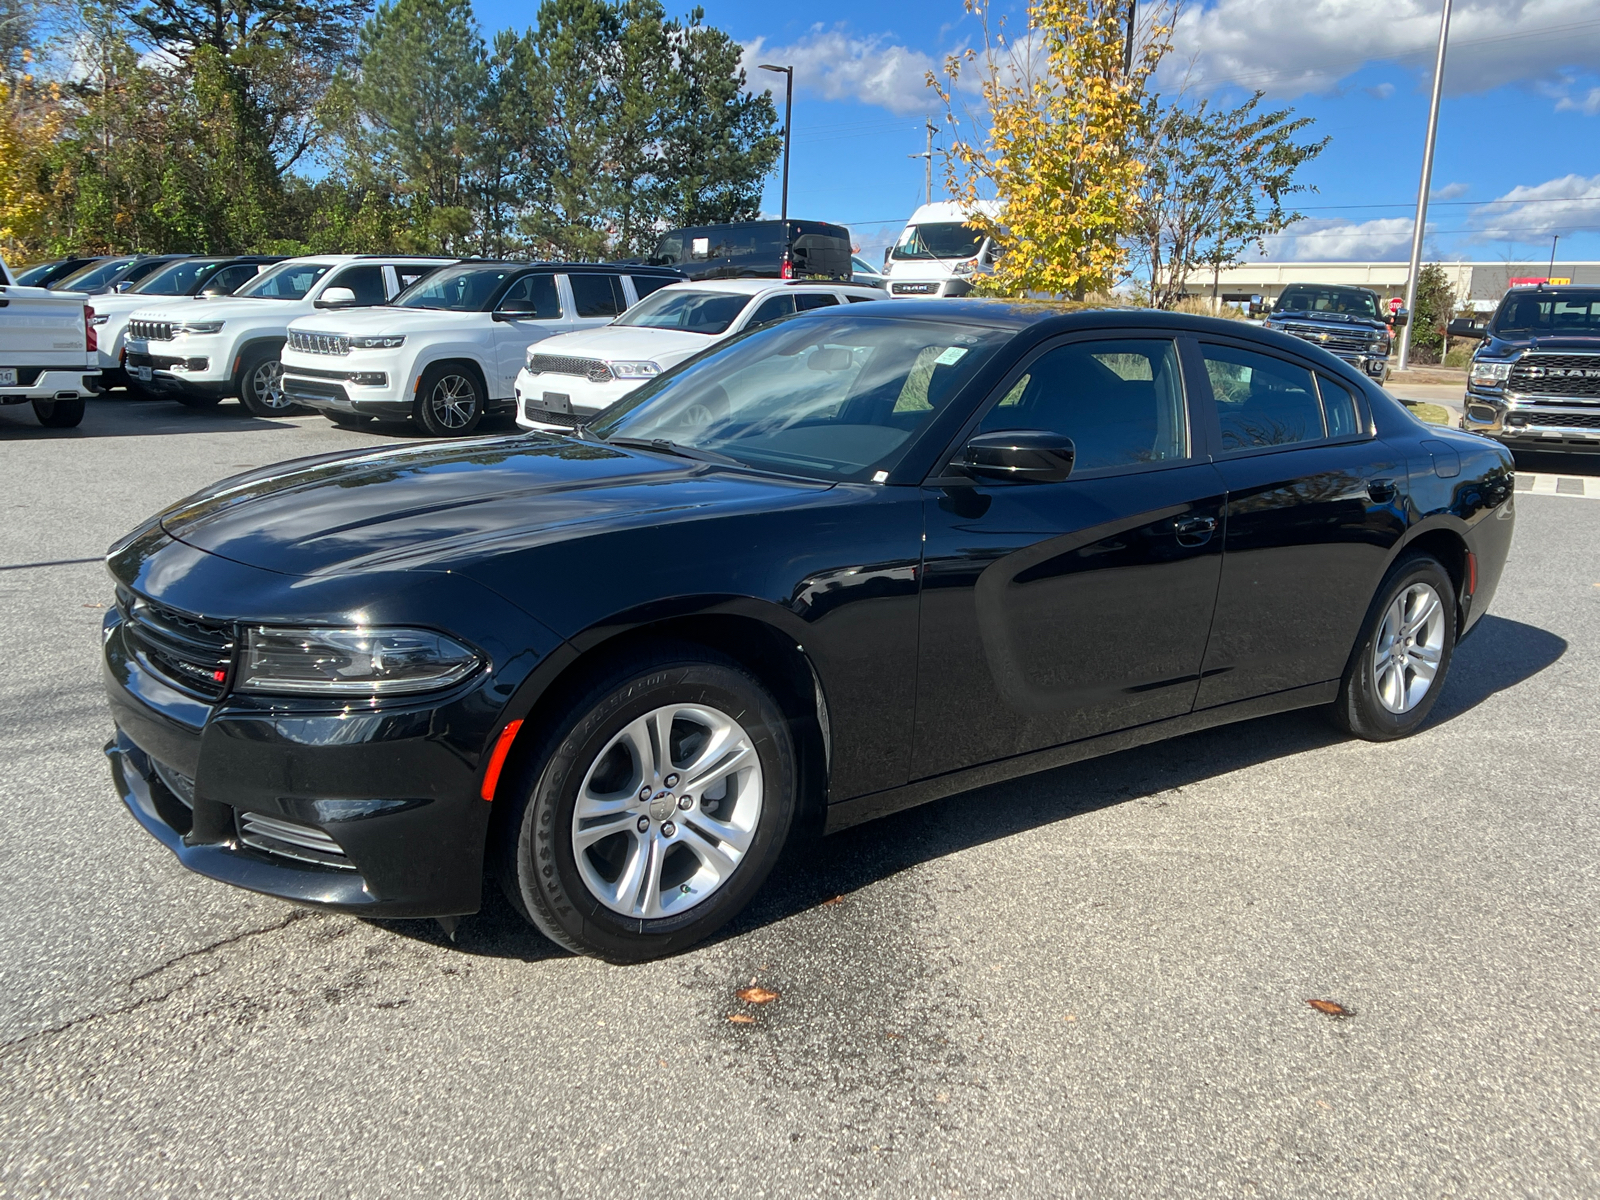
{"x": 940, "y": 251}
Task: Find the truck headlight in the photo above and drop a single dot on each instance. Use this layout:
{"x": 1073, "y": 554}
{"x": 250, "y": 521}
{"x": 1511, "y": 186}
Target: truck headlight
{"x": 387, "y": 342}
{"x": 965, "y": 267}
{"x": 201, "y": 328}
{"x": 351, "y": 662}
{"x": 635, "y": 370}
{"x": 1489, "y": 374}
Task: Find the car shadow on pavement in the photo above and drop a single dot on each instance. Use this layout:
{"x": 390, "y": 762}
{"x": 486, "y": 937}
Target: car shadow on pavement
{"x": 815, "y": 871}
{"x": 117, "y": 416}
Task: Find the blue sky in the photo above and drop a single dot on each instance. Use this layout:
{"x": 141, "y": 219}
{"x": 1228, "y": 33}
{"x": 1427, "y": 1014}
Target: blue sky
{"x": 1518, "y": 155}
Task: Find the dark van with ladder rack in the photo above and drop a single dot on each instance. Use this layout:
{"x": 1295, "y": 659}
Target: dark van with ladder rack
{"x": 757, "y": 250}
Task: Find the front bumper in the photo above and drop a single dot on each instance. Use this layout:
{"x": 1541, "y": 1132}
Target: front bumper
{"x": 331, "y": 390}
{"x": 177, "y": 365}
{"x": 1531, "y": 422}
{"x": 547, "y": 399}
{"x": 51, "y": 383}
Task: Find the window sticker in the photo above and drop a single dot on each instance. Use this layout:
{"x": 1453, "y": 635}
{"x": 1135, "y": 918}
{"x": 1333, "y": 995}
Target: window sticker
{"x": 951, "y": 356}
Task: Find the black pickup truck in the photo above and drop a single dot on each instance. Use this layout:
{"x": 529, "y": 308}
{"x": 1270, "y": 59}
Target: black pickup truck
{"x": 1534, "y": 383}
{"x": 1348, "y": 322}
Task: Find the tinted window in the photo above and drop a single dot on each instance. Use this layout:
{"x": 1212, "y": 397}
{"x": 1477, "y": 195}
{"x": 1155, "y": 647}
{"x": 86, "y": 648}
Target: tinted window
{"x": 366, "y": 281}
{"x": 1121, "y": 402}
{"x": 409, "y": 275}
{"x": 535, "y": 296}
{"x": 1261, "y": 401}
{"x": 1338, "y": 408}
{"x": 179, "y": 278}
{"x": 771, "y": 309}
{"x": 90, "y": 278}
{"x": 862, "y": 299}
{"x": 1355, "y": 302}
{"x": 230, "y": 278}
{"x": 643, "y": 285}
{"x": 457, "y": 289}
{"x": 1545, "y": 312}
{"x": 140, "y": 270}
{"x": 760, "y": 239}
{"x": 286, "y": 281}
{"x": 804, "y": 303}
{"x": 597, "y": 295}
{"x": 694, "y": 311}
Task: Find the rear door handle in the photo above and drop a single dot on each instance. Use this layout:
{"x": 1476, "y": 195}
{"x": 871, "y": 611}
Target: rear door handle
{"x": 1194, "y": 531}
{"x": 1382, "y": 490}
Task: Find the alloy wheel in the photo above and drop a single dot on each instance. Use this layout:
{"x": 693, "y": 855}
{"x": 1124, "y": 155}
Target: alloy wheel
{"x": 453, "y": 401}
{"x": 266, "y": 384}
{"x": 667, "y": 811}
{"x": 1408, "y": 648}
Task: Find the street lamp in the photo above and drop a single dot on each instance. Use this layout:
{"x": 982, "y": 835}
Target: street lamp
{"x": 1420, "y": 226}
{"x": 788, "y": 122}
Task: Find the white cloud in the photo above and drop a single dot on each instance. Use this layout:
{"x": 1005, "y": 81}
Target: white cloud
{"x": 838, "y": 66}
{"x": 1450, "y": 191}
{"x": 1310, "y": 46}
{"x": 1334, "y": 240}
{"x": 1589, "y": 106}
{"x": 1532, "y": 213}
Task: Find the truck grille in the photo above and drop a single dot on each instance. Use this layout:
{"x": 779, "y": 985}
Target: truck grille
{"x": 914, "y": 289}
{"x": 192, "y": 653}
{"x": 1556, "y": 374}
{"x": 1351, "y": 341}
{"x": 1560, "y": 420}
{"x": 151, "y": 331}
{"x": 591, "y": 369}
{"x": 319, "y": 343}
{"x": 290, "y": 839}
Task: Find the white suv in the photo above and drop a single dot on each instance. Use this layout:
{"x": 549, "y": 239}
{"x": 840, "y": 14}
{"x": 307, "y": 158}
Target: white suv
{"x": 230, "y": 347}
{"x": 446, "y": 352}
{"x": 573, "y": 377}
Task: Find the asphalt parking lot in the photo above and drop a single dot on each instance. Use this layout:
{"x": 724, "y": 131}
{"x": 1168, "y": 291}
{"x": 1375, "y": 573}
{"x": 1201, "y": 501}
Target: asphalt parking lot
{"x": 1092, "y": 982}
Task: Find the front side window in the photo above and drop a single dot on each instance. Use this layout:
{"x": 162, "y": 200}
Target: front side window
{"x": 1121, "y": 402}
{"x": 938, "y": 239}
{"x": 839, "y": 397}
{"x": 179, "y": 279}
{"x": 366, "y": 281}
{"x": 286, "y": 281}
{"x": 773, "y": 308}
{"x": 533, "y": 298}
{"x": 1533, "y": 312}
{"x": 807, "y": 302}
{"x": 687, "y": 309}
{"x": 232, "y": 278}
{"x": 1261, "y": 401}
{"x": 456, "y": 289}
{"x": 597, "y": 295}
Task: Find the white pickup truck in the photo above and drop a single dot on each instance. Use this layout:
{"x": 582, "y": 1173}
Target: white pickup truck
{"x": 47, "y": 351}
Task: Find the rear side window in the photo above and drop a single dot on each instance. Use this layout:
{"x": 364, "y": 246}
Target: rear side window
{"x": 409, "y": 275}
{"x": 1338, "y": 408}
{"x": 643, "y": 285}
{"x": 598, "y": 295}
{"x": 1121, "y": 402}
{"x": 1261, "y": 401}
{"x": 804, "y": 303}
{"x": 534, "y": 297}
{"x": 772, "y": 308}
{"x": 366, "y": 281}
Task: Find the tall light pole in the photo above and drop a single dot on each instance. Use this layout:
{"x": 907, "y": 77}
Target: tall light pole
{"x": 1422, "y": 193}
{"x": 788, "y": 125}
{"x": 1554, "y": 238}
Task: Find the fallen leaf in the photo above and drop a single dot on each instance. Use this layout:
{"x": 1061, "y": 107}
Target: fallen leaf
{"x": 756, "y": 995}
{"x": 1324, "y": 1104}
{"x": 943, "y": 1097}
{"x": 1070, "y": 1017}
{"x": 1331, "y": 1008}
{"x": 840, "y": 899}
{"x": 741, "y": 1018}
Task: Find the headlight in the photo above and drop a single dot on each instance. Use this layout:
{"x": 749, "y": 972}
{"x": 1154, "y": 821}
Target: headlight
{"x": 351, "y": 662}
{"x": 377, "y": 343}
{"x": 965, "y": 267}
{"x": 197, "y": 327}
{"x": 1381, "y": 345}
{"x": 1490, "y": 374}
{"x": 635, "y": 370}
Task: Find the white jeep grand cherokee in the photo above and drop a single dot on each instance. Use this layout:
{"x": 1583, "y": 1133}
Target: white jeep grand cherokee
{"x": 445, "y": 353}
{"x": 230, "y": 347}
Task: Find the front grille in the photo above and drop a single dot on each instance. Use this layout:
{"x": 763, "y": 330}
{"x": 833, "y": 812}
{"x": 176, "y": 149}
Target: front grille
{"x": 150, "y": 331}
{"x": 591, "y": 369}
{"x": 1351, "y": 341}
{"x": 549, "y": 416}
{"x": 290, "y": 839}
{"x": 915, "y": 289}
{"x": 1560, "y": 420}
{"x": 319, "y": 343}
{"x": 190, "y": 652}
{"x": 1556, "y": 374}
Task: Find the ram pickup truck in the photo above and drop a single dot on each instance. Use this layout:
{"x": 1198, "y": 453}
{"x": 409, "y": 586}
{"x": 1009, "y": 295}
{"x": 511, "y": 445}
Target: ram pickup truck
{"x": 47, "y": 351}
{"x": 1534, "y": 383}
{"x": 1347, "y": 322}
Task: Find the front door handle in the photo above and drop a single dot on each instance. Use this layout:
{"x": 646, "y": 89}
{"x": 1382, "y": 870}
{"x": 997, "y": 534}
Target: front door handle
{"x": 1382, "y": 491}
{"x": 1194, "y": 531}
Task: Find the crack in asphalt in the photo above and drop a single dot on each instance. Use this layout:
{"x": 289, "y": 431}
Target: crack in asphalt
{"x": 156, "y": 997}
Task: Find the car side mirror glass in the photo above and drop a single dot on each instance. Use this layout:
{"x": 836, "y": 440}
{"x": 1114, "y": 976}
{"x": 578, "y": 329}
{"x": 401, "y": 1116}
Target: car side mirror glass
{"x": 1020, "y": 456}
{"x": 1465, "y": 327}
{"x": 336, "y": 297}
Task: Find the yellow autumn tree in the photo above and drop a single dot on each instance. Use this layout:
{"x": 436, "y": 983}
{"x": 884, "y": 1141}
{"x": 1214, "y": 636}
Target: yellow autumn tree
{"x": 1056, "y": 141}
{"x": 29, "y": 123}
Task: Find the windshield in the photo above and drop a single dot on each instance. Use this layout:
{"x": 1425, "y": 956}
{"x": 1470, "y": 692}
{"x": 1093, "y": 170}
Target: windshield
{"x": 837, "y": 398}
{"x": 690, "y": 311}
{"x": 1549, "y": 313}
{"x": 286, "y": 281}
{"x": 940, "y": 239}
{"x": 36, "y": 276}
{"x": 180, "y": 279}
{"x": 1351, "y": 302}
{"x": 92, "y": 277}
{"x": 458, "y": 289}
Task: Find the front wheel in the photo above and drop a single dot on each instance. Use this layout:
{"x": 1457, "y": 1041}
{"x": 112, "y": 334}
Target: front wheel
{"x": 1398, "y": 668}
{"x": 261, "y": 385}
{"x": 449, "y": 401}
{"x": 650, "y": 817}
{"x": 59, "y": 414}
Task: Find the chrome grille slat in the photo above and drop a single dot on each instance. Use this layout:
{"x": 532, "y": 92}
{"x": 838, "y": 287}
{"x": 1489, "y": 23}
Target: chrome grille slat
{"x": 1561, "y": 420}
{"x": 1546, "y": 373}
{"x": 150, "y": 331}
{"x": 289, "y": 839}
{"x": 1355, "y": 340}
{"x": 309, "y": 342}
{"x": 591, "y": 369}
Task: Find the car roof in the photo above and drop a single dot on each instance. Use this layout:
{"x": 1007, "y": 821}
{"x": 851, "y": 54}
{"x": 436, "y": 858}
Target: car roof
{"x": 557, "y": 265}
{"x": 750, "y": 287}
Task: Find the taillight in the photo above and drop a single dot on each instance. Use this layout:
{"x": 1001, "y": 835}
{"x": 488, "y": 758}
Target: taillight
{"x": 91, "y": 342}
{"x": 786, "y": 269}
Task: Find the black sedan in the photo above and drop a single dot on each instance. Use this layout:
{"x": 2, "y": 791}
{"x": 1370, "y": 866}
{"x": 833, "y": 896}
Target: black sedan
{"x": 849, "y": 563}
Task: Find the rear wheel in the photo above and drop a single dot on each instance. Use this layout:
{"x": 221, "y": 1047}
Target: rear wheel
{"x": 651, "y": 816}
{"x": 59, "y": 414}
{"x": 260, "y": 385}
{"x": 449, "y": 400}
{"x": 1398, "y": 668}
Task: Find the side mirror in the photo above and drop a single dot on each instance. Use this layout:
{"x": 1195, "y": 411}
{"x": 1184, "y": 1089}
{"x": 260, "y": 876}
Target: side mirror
{"x": 887, "y": 250}
{"x": 1020, "y": 456}
{"x": 512, "y": 314}
{"x": 1399, "y": 317}
{"x": 1466, "y": 327}
{"x": 336, "y": 297}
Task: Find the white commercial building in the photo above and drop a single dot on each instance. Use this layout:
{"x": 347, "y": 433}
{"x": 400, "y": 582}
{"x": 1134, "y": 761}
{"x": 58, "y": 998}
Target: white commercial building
{"x": 1483, "y": 283}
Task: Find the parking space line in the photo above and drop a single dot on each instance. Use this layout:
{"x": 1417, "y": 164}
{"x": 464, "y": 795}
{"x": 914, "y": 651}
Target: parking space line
{"x": 1558, "y": 485}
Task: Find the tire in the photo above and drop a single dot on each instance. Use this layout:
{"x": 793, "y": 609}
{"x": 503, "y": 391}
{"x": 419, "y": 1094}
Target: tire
{"x": 639, "y": 891}
{"x": 59, "y": 414}
{"x": 260, "y": 385}
{"x": 346, "y": 420}
{"x": 450, "y": 400}
{"x": 1385, "y": 693}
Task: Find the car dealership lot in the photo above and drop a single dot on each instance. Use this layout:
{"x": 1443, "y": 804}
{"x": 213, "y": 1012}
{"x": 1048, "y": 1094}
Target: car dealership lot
{"x": 1091, "y": 981}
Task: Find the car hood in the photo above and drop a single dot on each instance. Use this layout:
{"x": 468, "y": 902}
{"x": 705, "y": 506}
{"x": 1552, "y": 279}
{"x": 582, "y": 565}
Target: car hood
{"x": 447, "y": 504}
{"x": 176, "y": 308}
{"x": 1291, "y": 314}
{"x": 386, "y": 318}
{"x": 614, "y": 343}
